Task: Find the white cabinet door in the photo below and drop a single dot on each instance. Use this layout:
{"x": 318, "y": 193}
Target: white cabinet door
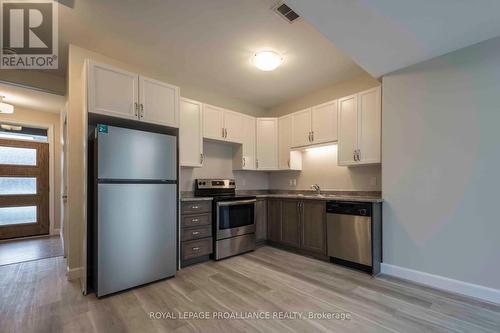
{"x": 111, "y": 91}
{"x": 324, "y": 123}
{"x": 248, "y": 144}
{"x": 301, "y": 128}
{"x": 233, "y": 125}
{"x": 190, "y": 133}
{"x": 213, "y": 122}
{"x": 369, "y": 126}
{"x": 287, "y": 160}
{"x": 348, "y": 130}
{"x": 159, "y": 102}
{"x": 267, "y": 143}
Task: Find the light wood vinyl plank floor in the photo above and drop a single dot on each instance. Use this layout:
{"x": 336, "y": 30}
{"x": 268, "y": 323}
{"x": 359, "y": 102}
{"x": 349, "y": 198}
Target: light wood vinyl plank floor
{"x": 36, "y": 297}
{"x": 20, "y": 250}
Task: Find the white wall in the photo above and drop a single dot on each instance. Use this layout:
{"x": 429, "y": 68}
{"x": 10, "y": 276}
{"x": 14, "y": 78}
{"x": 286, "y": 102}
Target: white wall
{"x": 218, "y": 163}
{"x": 320, "y": 166}
{"x": 441, "y": 162}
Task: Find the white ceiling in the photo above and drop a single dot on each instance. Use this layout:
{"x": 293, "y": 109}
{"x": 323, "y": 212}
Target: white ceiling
{"x": 31, "y": 99}
{"x": 385, "y": 35}
{"x": 209, "y": 44}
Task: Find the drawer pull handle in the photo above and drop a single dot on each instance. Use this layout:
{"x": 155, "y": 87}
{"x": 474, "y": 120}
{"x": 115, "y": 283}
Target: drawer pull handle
{"x": 196, "y": 232}
{"x": 195, "y": 248}
{"x": 195, "y": 207}
{"x": 195, "y": 220}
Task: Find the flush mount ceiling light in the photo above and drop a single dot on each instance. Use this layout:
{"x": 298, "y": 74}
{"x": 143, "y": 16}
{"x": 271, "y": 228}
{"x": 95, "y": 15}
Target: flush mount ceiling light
{"x": 4, "y": 107}
{"x": 267, "y": 60}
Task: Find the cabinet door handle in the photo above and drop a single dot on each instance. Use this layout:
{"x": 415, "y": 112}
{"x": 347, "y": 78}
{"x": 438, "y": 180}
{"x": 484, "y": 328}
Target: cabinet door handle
{"x": 195, "y": 220}
{"x": 309, "y": 136}
{"x": 195, "y": 233}
{"x": 201, "y": 158}
{"x": 359, "y": 155}
{"x": 195, "y": 248}
{"x": 257, "y": 163}
{"x": 141, "y": 115}
{"x": 136, "y": 109}
{"x": 288, "y": 162}
{"x": 195, "y": 207}
{"x": 312, "y": 136}
{"x": 355, "y": 157}
{"x": 223, "y": 132}
{"x": 244, "y": 162}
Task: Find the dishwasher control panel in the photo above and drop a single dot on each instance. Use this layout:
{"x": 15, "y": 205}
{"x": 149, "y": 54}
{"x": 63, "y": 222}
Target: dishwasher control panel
{"x": 349, "y": 208}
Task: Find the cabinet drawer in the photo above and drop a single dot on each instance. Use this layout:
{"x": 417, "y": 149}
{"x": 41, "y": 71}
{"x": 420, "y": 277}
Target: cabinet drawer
{"x": 196, "y": 248}
{"x": 196, "y": 220}
{"x": 189, "y": 207}
{"x": 197, "y": 232}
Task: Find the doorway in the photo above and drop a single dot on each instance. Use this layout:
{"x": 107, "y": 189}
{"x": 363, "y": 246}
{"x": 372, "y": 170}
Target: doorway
{"x": 24, "y": 188}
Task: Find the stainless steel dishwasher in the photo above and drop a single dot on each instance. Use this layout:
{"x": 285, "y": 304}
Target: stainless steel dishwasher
{"x": 349, "y": 234}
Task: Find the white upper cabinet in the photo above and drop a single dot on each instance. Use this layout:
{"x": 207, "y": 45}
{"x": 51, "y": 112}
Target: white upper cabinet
{"x": 315, "y": 125}
{"x": 360, "y": 128}
{"x": 287, "y": 159}
{"x": 112, "y": 91}
{"x": 324, "y": 123}
{"x": 115, "y": 92}
{"x": 190, "y": 133}
{"x": 159, "y": 102}
{"x": 213, "y": 122}
{"x": 301, "y": 128}
{"x": 233, "y": 125}
{"x": 267, "y": 144}
{"x": 370, "y": 126}
{"x": 348, "y": 130}
{"x": 222, "y": 124}
{"x": 244, "y": 154}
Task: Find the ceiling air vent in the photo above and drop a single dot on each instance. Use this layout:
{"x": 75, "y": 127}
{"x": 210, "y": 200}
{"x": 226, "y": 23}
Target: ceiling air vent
{"x": 285, "y": 12}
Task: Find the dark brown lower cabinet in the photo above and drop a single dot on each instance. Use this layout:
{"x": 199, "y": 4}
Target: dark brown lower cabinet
{"x": 274, "y": 220}
{"x": 290, "y": 223}
{"x": 261, "y": 220}
{"x": 313, "y": 226}
{"x": 298, "y": 224}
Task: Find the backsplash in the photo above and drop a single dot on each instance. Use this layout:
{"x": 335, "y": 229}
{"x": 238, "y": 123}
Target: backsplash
{"x": 319, "y": 166}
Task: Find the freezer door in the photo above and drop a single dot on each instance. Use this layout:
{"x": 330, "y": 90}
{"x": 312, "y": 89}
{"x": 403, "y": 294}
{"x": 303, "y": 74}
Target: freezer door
{"x": 135, "y": 155}
{"x": 136, "y": 235}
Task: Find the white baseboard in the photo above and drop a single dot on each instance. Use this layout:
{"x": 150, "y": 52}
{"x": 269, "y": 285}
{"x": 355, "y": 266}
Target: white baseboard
{"x": 74, "y": 273}
{"x": 444, "y": 283}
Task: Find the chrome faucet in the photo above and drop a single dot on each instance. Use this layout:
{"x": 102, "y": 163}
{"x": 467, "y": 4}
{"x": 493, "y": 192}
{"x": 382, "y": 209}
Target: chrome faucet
{"x": 316, "y": 188}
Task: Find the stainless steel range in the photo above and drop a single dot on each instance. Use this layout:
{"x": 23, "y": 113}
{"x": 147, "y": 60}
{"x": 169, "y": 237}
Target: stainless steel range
{"x": 233, "y": 216}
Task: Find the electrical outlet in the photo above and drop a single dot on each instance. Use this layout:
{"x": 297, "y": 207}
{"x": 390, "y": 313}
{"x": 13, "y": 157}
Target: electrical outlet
{"x": 373, "y": 181}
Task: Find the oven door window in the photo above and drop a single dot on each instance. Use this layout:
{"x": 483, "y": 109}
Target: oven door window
{"x": 235, "y": 216}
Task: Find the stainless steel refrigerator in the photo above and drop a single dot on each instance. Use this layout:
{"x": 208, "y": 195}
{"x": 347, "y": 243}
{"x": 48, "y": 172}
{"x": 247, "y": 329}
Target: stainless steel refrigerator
{"x": 135, "y": 208}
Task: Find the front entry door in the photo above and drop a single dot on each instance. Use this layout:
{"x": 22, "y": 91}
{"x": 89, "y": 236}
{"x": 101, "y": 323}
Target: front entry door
{"x": 24, "y": 188}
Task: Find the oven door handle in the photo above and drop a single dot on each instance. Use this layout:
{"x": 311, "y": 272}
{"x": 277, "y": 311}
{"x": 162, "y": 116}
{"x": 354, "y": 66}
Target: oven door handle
{"x": 233, "y": 203}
